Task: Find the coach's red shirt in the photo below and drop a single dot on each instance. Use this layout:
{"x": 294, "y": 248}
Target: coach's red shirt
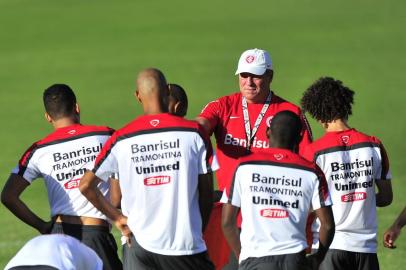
{"x": 226, "y": 116}
{"x": 352, "y": 162}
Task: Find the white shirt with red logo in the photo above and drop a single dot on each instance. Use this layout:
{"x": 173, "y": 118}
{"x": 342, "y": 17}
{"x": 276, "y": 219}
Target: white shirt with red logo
{"x": 275, "y": 191}
{"x": 61, "y": 159}
{"x": 57, "y": 250}
{"x": 351, "y": 161}
{"x": 158, "y": 159}
{"x": 226, "y": 116}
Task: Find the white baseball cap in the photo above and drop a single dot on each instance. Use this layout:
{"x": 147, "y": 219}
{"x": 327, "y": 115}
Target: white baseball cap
{"x": 255, "y": 61}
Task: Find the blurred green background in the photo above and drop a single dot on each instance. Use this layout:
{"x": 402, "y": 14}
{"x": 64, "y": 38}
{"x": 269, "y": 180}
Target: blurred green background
{"x": 97, "y": 47}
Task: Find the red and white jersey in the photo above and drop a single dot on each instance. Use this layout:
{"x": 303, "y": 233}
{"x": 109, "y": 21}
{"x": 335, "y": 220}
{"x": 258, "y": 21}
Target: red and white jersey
{"x": 351, "y": 161}
{"x": 276, "y": 190}
{"x": 158, "y": 159}
{"x": 226, "y": 116}
{"x": 61, "y": 159}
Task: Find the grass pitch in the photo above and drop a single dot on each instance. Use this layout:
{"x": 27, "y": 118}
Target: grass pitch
{"x": 97, "y": 47}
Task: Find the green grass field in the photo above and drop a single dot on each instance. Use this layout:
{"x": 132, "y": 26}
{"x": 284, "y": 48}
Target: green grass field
{"x": 97, "y": 47}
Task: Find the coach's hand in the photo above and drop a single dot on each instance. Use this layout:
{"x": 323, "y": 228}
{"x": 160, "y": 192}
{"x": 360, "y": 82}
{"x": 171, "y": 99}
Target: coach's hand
{"x": 121, "y": 224}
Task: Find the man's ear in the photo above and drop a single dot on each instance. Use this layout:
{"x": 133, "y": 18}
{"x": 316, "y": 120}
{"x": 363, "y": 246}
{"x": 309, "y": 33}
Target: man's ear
{"x": 137, "y": 96}
{"x": 48, "y": 117}
{"x": 176, "y": 110}
{"x": 77, "y": 108}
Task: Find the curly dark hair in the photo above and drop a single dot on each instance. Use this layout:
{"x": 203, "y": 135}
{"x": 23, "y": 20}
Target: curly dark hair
{"x": 328, "y": 99}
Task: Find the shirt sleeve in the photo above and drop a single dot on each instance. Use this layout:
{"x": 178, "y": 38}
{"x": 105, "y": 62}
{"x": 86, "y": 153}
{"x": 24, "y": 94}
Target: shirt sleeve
{"x": 321, "y": 195}
{"x": 234, "y": 195}
{"x": 385, "y": 173}
{"x": 27, "y": 166}
{"x": 106, "y": 163}
{"x": 208, "y": 162}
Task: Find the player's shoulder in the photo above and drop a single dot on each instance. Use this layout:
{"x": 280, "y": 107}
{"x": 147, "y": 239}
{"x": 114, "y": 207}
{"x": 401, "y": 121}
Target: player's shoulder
{"x": 284, "y": 104}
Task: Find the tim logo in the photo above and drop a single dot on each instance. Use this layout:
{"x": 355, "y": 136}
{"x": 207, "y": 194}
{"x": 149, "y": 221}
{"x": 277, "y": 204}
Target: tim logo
{"x": 274, "y": 213}
{"x": 249, "y": 59}
{"x": 71, "y": 132}
{"x": 355, "y": 196}
{"x": 278, "y": 156}
{"x": 345, "y": 139}
{"x": 157, "y": 180}
{"x": 154, "y": 122}
{"x": 74, "y": 183}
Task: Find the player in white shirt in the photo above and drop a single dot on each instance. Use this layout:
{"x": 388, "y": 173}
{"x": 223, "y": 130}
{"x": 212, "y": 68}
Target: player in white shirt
{"x": 55, "y": 251}
{"x": 60, "y": 159}
{"x": 163, "y": 162}
{"x": 275, "y": 190}
{"x": 357, "y": 172}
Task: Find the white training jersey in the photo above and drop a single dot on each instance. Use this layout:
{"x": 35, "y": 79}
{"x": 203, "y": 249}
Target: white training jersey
{"x": 352, "y": 162}
{"x": 57, "y": 250}
{"x": 275, "y": 191}
{"x": 61, "y": 159}
{"x": 158, "y": 159}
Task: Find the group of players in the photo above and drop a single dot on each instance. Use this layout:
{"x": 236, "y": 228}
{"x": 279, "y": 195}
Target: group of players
{"x": 286, "y": 203}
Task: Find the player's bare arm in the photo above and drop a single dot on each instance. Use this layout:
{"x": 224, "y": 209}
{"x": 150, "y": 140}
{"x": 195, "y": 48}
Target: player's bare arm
{"x": 205, "y": 124}
{"x": 393, "y": 232}
{"x": 115, "y": 193}
{"x": 88, "y": 187}
{"x": 326, "y": 233}
{"x": 230, "y": 229}
{"x": 10, "y": 197}
{"x": 206, "y": 194}
{"x": 384, "y": 196}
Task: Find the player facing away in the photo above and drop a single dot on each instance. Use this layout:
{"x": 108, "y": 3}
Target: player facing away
{"x": 354, "y": 164}
{"x": 177, "y": 101}
{"x": 61, "y": 158}
{"x": 163, "y": 162}
{"x": 55, "y": 252}
{"x": 275, "y": 190}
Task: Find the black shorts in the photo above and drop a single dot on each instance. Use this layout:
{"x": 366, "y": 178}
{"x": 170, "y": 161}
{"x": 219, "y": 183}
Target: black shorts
{"x": 136, "y": 257}
{"x": 296, "y": 261}
{"x": 340, "y": 259}
{"x": 34, "y": 267}
{"x": 97, "y": 238}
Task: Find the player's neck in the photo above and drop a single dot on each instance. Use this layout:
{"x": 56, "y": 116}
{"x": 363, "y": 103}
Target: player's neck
{"x": 64, "y": 122}
{"x": 336, "y": 125}
{"x": 154, "y": 108}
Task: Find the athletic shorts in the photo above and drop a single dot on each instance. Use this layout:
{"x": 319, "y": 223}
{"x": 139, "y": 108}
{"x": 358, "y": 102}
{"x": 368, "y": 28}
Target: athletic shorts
{"x": 136, "y": 257}
{"x": 97, "y": 238}
{"x": 296, "y": 261}
{"x": 340, "y": 259}
{"x": 34, "y": 267}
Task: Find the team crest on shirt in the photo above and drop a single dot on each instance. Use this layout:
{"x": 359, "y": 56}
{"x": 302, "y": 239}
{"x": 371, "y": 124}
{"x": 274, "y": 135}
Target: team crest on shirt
{"x": 249, "y": 59}
{"x": 72, "y": 131}
{"x": 345, "y": 139}
{"x": 278, "y": 156}
{"x": 268, "y": 121}
{"x": 154, "y": 122}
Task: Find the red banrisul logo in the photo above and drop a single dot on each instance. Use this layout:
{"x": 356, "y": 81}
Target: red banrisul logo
{"x": 274, "y": 213}
{"x": 157, "y": 180}
{"x": 154, "y": 122}
{"x": 74, "y": 183}
{"x": 355, "y": 196}
{"x": 345, "y": 139}
{"x": 249, "y": 59}
{"x": 278, "y": 156}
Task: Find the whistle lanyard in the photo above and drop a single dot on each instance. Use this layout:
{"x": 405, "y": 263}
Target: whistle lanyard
{"x": 251, "y": 133}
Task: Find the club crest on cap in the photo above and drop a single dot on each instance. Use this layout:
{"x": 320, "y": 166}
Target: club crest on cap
{"x": 154, "y": 122}
{"x": 345, "y": 139}
{"x": 250, "y": 58}
{"x": 278, "y": 156}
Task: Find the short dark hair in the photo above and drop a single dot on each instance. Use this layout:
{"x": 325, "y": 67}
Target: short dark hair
{"x": 285, "y": 129}
{"x": 179, "y": 94}
{"x": 328, "y": 99}
{"x": 59, "y": 101}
